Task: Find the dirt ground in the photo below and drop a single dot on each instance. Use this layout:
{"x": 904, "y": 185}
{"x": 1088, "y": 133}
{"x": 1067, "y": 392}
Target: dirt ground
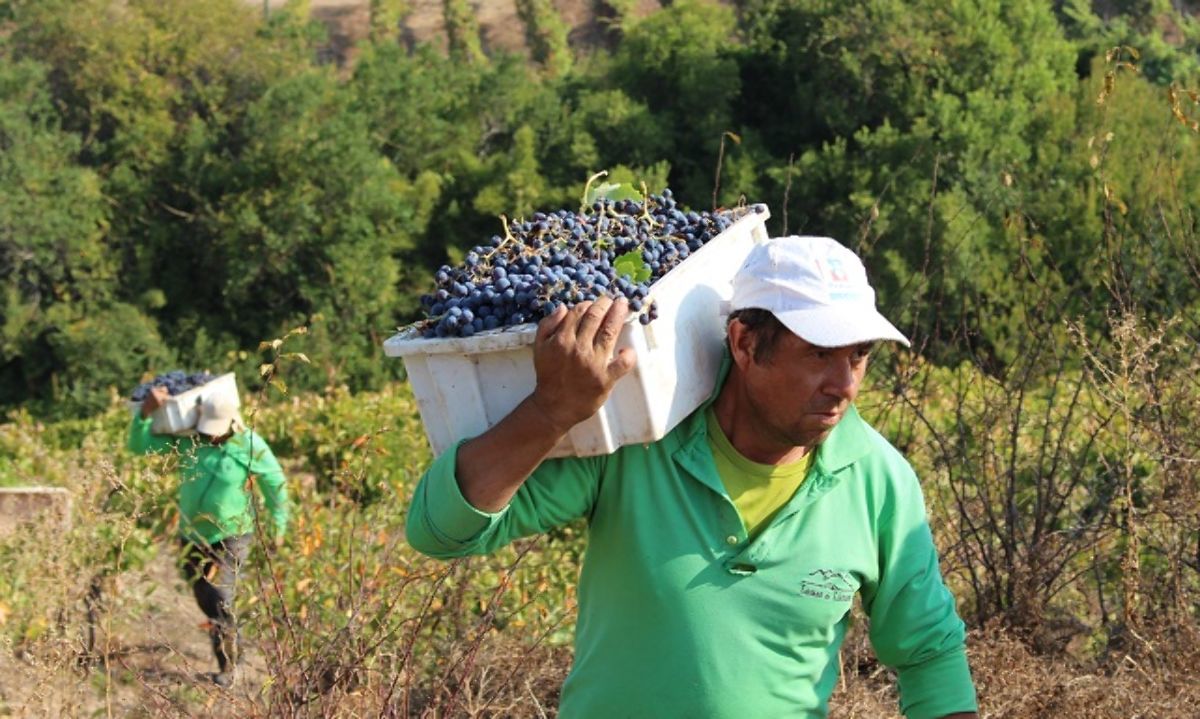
{"x": 160, "y": 666}
{"x": 160, "y": 663}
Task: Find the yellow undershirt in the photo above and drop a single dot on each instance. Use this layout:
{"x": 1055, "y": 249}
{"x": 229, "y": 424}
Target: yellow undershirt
{"x": 757, "y": 490}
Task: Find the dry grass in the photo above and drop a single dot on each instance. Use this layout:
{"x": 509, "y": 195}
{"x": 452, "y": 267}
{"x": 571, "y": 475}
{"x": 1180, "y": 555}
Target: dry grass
{"x": 510, "y": 681}
{"x": 1160, "y": 680}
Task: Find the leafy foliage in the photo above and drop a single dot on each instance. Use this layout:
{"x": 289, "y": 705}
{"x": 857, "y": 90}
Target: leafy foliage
{"x": 215, "y": 185}
{"x": 546, "y": 35}
{"x": 65, "y": 334}
{"x": 680, "y": 62}
{"x": 462, "y": 31}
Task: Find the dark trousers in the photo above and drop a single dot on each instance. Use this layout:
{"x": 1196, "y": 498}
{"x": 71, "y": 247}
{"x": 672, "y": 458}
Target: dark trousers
{"x": 212, "y": 571}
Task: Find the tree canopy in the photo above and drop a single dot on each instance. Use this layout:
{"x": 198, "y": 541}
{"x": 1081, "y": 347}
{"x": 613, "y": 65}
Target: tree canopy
{"x": 182, "y": 180}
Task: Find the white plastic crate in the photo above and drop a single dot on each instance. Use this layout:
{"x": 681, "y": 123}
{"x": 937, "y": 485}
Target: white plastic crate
{"x": 464, "y": 385}
{"x": 179, "y": 413}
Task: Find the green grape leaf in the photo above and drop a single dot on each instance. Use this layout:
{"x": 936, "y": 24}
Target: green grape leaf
{"x": 632, "y": 266}
{"x": 612, "y": 191}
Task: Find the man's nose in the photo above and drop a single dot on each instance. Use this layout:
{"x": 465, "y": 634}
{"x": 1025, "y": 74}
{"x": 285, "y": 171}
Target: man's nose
{"x": 841, "y": 381}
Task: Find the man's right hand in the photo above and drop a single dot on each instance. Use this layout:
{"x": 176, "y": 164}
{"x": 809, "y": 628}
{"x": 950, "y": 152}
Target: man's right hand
{"x": 576, "y": 370}
{"x": 574, "y": 362}
{"x": 154, "y": 400}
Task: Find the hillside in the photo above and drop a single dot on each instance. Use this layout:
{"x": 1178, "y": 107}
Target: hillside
{"x": 501, "y": 29}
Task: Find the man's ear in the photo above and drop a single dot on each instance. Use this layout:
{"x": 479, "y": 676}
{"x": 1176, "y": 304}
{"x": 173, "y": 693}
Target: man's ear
{"x": 741, "y": 343}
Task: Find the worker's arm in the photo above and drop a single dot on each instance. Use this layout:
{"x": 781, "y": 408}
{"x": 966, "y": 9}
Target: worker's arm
{"x": 269, "y": 478}
{"x": 141, "y": 439}
{"x": 915, "y": 627}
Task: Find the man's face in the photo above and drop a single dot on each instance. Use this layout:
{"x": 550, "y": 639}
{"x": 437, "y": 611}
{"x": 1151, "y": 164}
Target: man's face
{"x": 801, "y": 391}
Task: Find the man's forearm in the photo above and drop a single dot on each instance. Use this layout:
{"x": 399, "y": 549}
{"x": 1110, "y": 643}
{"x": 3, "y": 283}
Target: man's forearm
{"x": 492, "y": 467}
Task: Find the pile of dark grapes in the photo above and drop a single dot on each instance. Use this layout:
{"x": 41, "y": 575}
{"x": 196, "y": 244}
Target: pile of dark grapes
{"x": 176, "y": 382}
{"x": 566, "y": 257}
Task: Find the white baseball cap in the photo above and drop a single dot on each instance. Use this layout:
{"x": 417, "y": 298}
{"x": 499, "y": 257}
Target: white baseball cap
{"x": 817, "y": 288}
{"x": 219, "y": 415}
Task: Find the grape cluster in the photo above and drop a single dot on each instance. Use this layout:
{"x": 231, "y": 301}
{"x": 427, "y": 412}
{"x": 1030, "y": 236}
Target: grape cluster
{"x": 176, "y": 382}
{"x": 566, "y": 257}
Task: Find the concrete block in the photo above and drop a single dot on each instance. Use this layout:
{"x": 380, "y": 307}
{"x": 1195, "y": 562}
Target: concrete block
{"x": 30, "y": 504}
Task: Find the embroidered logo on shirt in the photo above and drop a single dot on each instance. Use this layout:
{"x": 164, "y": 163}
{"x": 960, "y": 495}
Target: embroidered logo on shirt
{"x": 828, "y": 584}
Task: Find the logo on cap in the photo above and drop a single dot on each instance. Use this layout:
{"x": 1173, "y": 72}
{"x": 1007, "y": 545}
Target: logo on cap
{"x": 837, "y": 272}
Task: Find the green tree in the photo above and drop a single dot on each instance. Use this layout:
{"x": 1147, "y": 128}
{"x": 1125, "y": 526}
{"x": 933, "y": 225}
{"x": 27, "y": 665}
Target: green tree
{"x": 1167, "y": 38}
{"x": 65, "y": 338}
{"x": 310, "y": 220}
{"x": 1114, "y": 198}
{"x": 434, "y": 118}
{"x": 680, "y": 63}
{"x": 937, "y": 108}
{"x": 385, "y": 18}
{"x": 462, "y": 31}
{"x": 546, "y": 35}
{"x": 248, "y": 195}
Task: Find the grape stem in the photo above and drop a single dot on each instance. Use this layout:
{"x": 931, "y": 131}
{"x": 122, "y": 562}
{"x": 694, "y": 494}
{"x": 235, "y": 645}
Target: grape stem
{"x": 646, "y": 207}
{"x": 508, "y": 237}
{"x": 583, "y": 203}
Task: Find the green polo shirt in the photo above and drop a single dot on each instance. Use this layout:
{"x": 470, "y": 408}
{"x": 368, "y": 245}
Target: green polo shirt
{"x": 682, "y": 615}
{"x": 214, "y": 496}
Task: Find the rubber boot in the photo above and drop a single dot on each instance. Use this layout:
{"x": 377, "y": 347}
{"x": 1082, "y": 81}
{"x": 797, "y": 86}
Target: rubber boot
{"x": 226, "y": 646}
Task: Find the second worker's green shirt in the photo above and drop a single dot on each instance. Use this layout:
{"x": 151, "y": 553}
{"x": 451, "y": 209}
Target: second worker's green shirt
{"x": 214, "y": 488}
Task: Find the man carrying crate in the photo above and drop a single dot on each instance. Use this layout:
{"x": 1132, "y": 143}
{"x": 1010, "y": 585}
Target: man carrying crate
{"x": 217, "y": 467}
{"x": 722, "y": 559}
